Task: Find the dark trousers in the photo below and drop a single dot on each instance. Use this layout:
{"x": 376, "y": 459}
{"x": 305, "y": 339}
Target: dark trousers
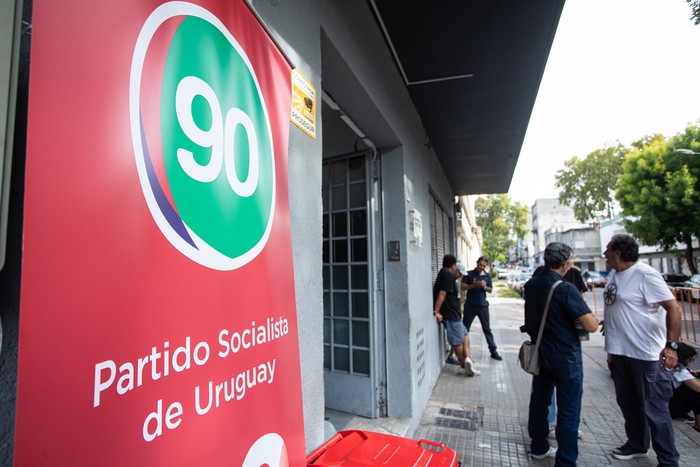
{"x": 568, "y": 379}
{"x": 643, "y": 391}
{"x": 471, "y": 312}
{"x": 684, "y": 399}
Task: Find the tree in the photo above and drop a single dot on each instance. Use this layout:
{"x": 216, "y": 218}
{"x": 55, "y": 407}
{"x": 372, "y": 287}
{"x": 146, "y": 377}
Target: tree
{"x": 502, "y": 224}
{"x": 695, "y": 7}
{"x": 659, "y": 192}
{"x": 588, "y": 185}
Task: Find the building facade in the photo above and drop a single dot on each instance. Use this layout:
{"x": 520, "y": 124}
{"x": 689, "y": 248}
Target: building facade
{"x": 372, "y": 196}
{"x": 672, "y": 261}
{"x": 548, "y": 214}
{"x": 585, "y": 242}
{"x": 469, "y": 235}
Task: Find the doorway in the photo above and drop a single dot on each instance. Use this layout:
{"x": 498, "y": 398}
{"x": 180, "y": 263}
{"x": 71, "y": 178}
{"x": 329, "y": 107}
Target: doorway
{"x": 353, "y": 301}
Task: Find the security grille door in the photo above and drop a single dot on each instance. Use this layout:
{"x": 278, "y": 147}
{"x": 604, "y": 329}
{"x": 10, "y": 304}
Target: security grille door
{"x": 440, "y": 235}
{"x": 440, "y": 241}
{"x": 350, "y": 310}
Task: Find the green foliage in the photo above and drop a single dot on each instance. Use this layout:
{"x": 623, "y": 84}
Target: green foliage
{"x": 502, "y": 223}
{"x": 507, "y": 293}
{"x": 588, "y": 185}
{"x": 659, "y": 191}
{"x": 695, "y": 8}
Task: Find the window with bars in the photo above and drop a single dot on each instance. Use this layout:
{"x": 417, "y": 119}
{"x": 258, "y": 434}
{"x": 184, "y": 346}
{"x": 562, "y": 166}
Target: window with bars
{"x": 346, "y": 285}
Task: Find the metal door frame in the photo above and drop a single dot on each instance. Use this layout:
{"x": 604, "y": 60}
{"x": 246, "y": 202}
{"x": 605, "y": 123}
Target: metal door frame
{"x": 337, "y": 385}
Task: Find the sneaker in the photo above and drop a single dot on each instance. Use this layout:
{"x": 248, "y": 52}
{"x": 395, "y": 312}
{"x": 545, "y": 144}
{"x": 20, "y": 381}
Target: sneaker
{"x": 469, "y": 367}
{"x": 626, "y": 452}
{"x": 551, "y": 453}
{"x": 495, "y": 356}
{"x": 452, "y": 360}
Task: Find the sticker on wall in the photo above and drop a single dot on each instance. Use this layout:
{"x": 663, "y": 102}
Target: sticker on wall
{"x": 303, "y": 104}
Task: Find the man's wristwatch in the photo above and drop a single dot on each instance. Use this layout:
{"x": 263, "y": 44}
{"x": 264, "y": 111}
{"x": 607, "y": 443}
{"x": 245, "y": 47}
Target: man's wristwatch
{"x": 672, "y": 345}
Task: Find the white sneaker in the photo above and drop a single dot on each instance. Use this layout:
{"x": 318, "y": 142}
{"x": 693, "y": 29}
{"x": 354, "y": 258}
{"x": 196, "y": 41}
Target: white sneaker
{"x": 551, "y": 453}
{"x": 469, "y": 367}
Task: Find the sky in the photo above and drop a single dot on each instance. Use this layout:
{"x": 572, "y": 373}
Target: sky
{"x": 617, "y": 70}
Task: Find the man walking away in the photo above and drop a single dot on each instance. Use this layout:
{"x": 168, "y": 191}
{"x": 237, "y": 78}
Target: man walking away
{"x": 446, "y": 310}
{"x": 477, "y": 283}
{"x": 560, "y": 358}
{"x": 642, "y": 329}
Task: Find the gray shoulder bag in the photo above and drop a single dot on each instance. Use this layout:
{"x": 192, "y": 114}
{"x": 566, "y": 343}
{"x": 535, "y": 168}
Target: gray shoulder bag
{"x": 529, "y": 352}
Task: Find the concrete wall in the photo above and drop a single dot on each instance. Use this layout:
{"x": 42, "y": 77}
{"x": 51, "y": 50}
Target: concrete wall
{"x": 297, "y": 29}
{"x": 337, "y": 45}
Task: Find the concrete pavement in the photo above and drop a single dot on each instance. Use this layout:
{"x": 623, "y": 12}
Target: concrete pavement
{"x": 484, "y": 418}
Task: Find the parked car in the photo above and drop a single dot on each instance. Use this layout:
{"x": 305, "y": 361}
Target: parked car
{"x": 674, "y": 279}
{"x": 503, "y": 273}
{"x": 519, "y": 283}
{"x": 693, "y": 282}
{"x": 595, "y": 279}
{"x": 512, "y": 277}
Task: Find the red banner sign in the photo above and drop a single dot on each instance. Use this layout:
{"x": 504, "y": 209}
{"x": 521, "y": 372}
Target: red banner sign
{"x": 158, "y": 322}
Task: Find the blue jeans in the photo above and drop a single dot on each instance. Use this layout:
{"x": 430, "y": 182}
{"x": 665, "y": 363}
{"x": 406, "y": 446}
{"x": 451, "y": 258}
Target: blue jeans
{"x": 552, "y": 410}
{"x": 568, "y": 380}
{"x": 643, "y": 392}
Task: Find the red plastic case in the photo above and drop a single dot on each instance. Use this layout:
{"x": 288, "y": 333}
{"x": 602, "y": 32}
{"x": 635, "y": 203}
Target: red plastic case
{"x": 354, "y": 448}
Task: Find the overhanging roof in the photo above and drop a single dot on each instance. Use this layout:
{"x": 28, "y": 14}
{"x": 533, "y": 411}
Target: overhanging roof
{"x": 472, "y": 69}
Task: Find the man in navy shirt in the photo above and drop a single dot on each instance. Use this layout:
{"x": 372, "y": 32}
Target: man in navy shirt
{"x": 477, "y": 283}
{"x": 560, "y": 358}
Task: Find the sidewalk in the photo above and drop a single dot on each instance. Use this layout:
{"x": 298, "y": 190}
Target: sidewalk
{"x": 484, "y": 418}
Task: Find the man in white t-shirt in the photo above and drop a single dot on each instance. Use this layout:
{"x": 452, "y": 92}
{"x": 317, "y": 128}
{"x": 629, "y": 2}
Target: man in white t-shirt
{"x": 642, "y": 329}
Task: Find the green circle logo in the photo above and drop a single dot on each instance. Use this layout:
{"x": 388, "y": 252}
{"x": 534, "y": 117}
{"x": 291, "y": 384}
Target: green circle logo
{"x": 206, "y": 165}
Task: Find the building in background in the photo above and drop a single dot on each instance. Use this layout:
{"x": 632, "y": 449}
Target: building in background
{"x": 469, "y": 236}
{"x": 529, "y": 243}
{"x": 548, "y": 214}
{"x": 672, "y": 260}
{"x": 585, "y": 241}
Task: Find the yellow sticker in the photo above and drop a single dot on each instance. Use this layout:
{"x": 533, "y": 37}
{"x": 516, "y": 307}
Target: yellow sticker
{"x": 303, "y": 104}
